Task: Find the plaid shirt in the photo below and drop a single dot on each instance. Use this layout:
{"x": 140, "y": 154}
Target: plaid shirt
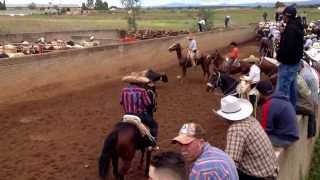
{"x": 250, "y": 148}
{"x": 134, "y": 100}
{"x": 213, "y": 163}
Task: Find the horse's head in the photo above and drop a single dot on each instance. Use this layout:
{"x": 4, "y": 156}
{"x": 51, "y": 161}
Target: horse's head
{"x": 217, "y": 59}
{"x": 174, "y": 47}
{"x": 214, "y": 81}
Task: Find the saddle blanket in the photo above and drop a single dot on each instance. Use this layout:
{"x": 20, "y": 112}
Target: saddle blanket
{"x": 273, "y": 61}
{"x": 137, "y": 122}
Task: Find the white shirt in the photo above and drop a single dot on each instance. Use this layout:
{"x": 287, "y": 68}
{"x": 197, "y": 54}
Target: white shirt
{"x": 202, "y": 21}
{"x": 193, "y": 45}
{"x": 254, "y": 74}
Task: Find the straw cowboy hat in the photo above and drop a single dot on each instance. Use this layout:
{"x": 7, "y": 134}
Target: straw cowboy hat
{"x": 251, "y": 58}
{"x": 316, "y": 45}
{"x": 136, "y": 78}
{"x": 234, "y": 109}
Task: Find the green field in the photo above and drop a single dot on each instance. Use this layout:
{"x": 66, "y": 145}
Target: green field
{"x": 170, "y": 19}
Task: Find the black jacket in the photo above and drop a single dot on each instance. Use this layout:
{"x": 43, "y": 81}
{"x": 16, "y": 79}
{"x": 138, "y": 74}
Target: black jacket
{"x": 291, "y": 44}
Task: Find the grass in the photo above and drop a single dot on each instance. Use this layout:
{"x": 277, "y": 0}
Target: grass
{"x": 181, "y": 19}
{"x": 315, "y": 166}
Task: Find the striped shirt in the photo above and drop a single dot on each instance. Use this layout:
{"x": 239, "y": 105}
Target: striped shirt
{"x": 213, "y": 164}
{"x": 134, "y": 100}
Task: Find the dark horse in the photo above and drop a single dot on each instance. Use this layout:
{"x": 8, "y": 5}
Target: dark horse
{"x": 266, "y": 48}
{"x": 221, "y": 65}
{"x": 225, "y": 82}
{"x": 122, "y": 143}
{"x": 185, "y": 63}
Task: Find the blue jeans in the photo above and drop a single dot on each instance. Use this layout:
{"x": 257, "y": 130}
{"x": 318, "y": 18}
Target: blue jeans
{"x": 286, "y": 82}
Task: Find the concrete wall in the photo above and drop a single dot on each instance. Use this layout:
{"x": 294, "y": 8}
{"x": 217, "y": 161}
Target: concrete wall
{"x": 295, "y": 161}
{"x": 20, "y": 76}
{"x": 64, "y": 35}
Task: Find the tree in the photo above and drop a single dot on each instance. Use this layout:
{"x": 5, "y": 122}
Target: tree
{"x": 4, "y": 6}
{"x": 32, "y": 6}
{"x": 84, "y": 7}
{"x": 100, "y": 5}
{"x": 279, "y": 4}
{"x": 90, "y": 4}
{"x": 132, "y": 7}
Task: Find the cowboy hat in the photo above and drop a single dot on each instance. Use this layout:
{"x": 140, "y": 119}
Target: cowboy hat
{"x": 316, "y": 45}
{"x": 234, "y": 109}
{"x": 135, "y": 77}
{"x": 251, "y": 58}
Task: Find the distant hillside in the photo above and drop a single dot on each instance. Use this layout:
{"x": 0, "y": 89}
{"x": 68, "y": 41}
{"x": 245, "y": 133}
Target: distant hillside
{"x": 230, "y": 4}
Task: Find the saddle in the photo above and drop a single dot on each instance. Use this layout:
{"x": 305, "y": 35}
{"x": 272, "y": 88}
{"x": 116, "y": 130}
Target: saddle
{"x": 135, "y": 120}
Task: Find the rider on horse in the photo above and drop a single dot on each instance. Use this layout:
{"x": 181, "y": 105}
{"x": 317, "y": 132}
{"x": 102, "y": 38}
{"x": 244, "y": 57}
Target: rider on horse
{"x": 135, "y": 100}
{"x": 233, "y": 55}
{"x": 254, "y": 73}
{"x": 192, "y": 49}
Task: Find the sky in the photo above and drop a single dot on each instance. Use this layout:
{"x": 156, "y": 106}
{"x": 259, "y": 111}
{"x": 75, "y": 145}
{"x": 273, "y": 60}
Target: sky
{"x": 147, "y": 2}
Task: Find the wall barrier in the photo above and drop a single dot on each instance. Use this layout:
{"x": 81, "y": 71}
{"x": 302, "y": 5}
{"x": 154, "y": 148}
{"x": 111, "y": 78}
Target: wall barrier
{"x": 20, "y": 76}
{"x": 64, "y": 35}
{"x": 295, "y": 161}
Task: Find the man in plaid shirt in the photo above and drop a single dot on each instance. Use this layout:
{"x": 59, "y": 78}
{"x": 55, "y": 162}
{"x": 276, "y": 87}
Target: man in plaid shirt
{"x": 247, "y": 143}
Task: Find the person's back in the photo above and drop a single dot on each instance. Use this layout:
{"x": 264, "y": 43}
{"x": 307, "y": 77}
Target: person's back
{"x": 249, "y": 146}
{"x": 281, "y": 118}
{"x": 134, "y": 99}
{"x": 212, "y": 163}
{"x": 291, "y": 44}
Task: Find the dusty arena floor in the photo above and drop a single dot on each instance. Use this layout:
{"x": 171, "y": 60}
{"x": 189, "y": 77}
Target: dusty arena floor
{"x": 60, "y": 138}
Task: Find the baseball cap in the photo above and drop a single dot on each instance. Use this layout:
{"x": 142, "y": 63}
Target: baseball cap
{"x": 188, "y": 133}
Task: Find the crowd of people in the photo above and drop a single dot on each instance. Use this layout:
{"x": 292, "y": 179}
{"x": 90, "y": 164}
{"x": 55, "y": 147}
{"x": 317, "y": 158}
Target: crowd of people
{"x": 249, "y": 153}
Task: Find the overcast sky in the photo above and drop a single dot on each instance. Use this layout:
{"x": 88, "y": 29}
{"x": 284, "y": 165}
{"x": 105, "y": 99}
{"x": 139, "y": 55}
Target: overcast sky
{"x": 146, "y": 2}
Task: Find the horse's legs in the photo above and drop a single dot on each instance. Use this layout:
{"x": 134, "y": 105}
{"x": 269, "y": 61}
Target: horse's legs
{"x": 184, "y": 71}
{"x": 142, "y": 158}
{"x": 115, "y": 164}
{"x": 148, "y": 159}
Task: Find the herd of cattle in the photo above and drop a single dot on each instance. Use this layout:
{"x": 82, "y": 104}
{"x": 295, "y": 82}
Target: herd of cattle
{"x": 24, "y": 48}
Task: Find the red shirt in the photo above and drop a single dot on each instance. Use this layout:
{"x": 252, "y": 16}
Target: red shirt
{"x": 234, "y": 54}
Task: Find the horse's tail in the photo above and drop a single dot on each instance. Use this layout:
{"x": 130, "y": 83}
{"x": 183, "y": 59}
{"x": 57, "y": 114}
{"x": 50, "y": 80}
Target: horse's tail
{"x": 106, "y": 155}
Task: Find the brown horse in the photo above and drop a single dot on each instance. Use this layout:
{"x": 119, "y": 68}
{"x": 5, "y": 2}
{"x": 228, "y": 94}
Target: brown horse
{"x": 220, "y": 65}
{"x": 185, "y": 63}
{"x": 266, "y": 48}
{"x": 122, "y": 143}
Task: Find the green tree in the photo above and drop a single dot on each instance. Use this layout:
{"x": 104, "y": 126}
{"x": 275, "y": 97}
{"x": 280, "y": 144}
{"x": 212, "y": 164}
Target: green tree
{"x": 83, "y": 6}
{"x": 101, "y": 5}
{"x": 90, "y": 4}
{"x": 132, "y": 7}
{"x": 4, "y": 6}
{"x": 32, "y": 6}
{"x": 279, "y": 4}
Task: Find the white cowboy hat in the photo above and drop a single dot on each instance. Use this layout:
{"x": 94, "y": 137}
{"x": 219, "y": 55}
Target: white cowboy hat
{"x": 251, "y": 58}
{"x": 234, "y": 109}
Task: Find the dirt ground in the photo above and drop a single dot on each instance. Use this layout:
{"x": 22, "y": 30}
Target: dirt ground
{"x": 60, "y": 138}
